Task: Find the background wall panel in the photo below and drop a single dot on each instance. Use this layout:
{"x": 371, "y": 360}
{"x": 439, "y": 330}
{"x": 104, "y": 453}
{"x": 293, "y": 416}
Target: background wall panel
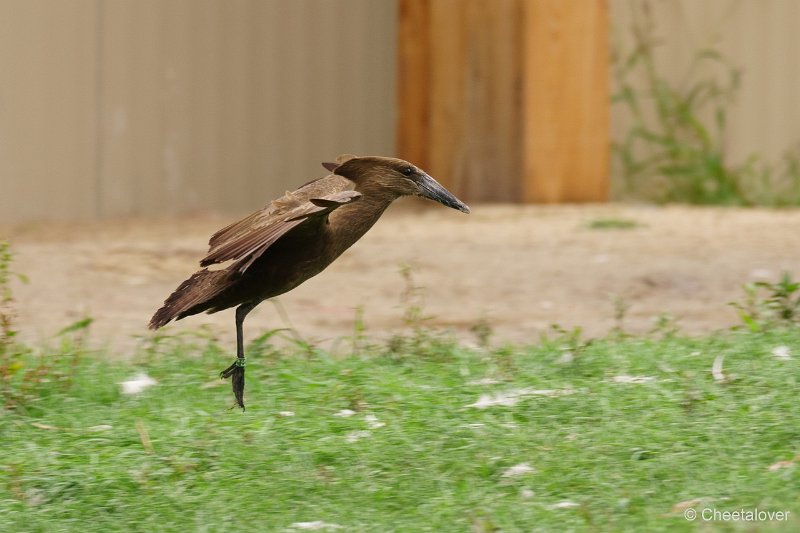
{"x": 48, "y": 109}
{"x": 140, "y": 107}
{"x": 759, "y": 37}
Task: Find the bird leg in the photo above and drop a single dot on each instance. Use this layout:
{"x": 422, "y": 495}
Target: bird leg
{"x": 236, "y": 370}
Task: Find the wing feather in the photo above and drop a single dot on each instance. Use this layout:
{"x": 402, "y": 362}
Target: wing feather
{"x": 318, "y": 188}
{"x": 246, "y": 240}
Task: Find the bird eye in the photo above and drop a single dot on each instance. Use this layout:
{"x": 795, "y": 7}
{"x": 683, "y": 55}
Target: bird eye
{"x": 407, "y": 171}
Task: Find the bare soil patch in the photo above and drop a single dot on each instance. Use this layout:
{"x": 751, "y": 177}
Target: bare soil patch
{"x": 520, "y": 268}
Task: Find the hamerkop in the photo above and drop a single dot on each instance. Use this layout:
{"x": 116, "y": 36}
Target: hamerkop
{"x": 294, "y": 238}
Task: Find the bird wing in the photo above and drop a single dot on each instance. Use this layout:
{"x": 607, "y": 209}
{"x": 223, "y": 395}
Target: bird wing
{"x": 246, "y": 240}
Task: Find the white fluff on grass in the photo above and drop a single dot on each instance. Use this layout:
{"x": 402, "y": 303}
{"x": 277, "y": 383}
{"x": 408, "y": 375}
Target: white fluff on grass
{"x": 782, "y": 352}
{"x": 716, "y": 368}
{"x": 345, "y": 413}
{"x": 484, "y": 381}
{"x": 357, "y": 435}
{"x": 633, "y": 379}
{"x": 680, "y": 507}
{"x": 566, "y": 504}
{"x": 373, "y": 422}
{"x": 785, "y": 464}
{"x": 566, "y": 358}
{"x": 511, "y": 397}
{"x": 518, "y": 470}
{"x": 315, "y": 525}
{"x": 137, "y": 384}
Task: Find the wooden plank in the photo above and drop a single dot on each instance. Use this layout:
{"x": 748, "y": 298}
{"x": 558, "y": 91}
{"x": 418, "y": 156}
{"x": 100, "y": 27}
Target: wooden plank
{"x": 512, "y": 100}
{"x": 448, "y": 56}
{"x": 490, "y": 163}
{"x": 474, "y": 81}
{"x": 413, "y": 81}
{"x": 566, "y": 101}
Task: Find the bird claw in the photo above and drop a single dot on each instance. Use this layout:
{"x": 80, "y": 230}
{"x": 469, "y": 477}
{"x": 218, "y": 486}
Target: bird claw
{"x": 236, "y": 373}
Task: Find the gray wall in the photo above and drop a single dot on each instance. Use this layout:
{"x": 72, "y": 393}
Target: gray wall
{"x": 128, "y": 107}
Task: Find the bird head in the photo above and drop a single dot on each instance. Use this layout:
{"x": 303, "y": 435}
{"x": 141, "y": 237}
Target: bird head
{"x": 394, "y": 176}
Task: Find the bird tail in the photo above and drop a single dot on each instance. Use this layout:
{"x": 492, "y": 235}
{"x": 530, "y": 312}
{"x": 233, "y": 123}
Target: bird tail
{"x": 191, "y": 297}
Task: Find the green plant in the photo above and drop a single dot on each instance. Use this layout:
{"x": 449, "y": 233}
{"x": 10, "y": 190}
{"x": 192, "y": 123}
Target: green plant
{"x": 359, "y": 332}
{"x": 7, "y": 313}
{"x": 29, "y": 375}
{"x": 483, "y": 332}
{"x": 674, "y": 149}
{"x": 621, "y": 307}
{"x": 412, "y": 299}
{"x": 767, "y": 305}
{"x": 10, "y": 356}
{"x": 665, "y": 326}
{"x": 613, "y": 223}
{"x": 569, "y": 342}
{"x": 26, "y": 375}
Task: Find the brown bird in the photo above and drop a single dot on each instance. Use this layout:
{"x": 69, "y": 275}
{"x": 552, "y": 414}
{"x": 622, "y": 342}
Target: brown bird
{"x": 295, "y": 237}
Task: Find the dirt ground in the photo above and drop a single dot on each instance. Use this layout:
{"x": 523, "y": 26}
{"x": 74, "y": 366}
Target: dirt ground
{"x": 521, "y": 268}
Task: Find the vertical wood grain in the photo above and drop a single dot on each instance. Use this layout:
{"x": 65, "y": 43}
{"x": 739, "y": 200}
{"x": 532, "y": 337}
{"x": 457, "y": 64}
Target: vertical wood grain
{"x": 515, "y": 101}
{"x": 413, "y": 81}
{"x": 566, "y": 101}
{"x": 448, "y": 56}
{"x": 458, "y": 93}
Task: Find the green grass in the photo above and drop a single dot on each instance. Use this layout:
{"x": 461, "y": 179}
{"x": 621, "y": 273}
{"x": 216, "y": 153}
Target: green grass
{"x": 76, "y": 455}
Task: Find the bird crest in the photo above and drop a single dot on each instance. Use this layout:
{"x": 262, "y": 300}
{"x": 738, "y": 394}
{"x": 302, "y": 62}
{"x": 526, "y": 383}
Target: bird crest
{"x": 344, "y": 158}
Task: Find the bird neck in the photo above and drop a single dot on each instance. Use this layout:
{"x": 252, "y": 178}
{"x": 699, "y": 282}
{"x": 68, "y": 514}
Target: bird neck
{"x": 350, "y": 222}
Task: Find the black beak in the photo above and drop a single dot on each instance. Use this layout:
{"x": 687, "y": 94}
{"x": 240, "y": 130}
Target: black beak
{"x": 433, "y": 190}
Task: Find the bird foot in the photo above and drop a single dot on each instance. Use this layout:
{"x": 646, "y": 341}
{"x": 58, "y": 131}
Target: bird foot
{"x": 236, "y": 373}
